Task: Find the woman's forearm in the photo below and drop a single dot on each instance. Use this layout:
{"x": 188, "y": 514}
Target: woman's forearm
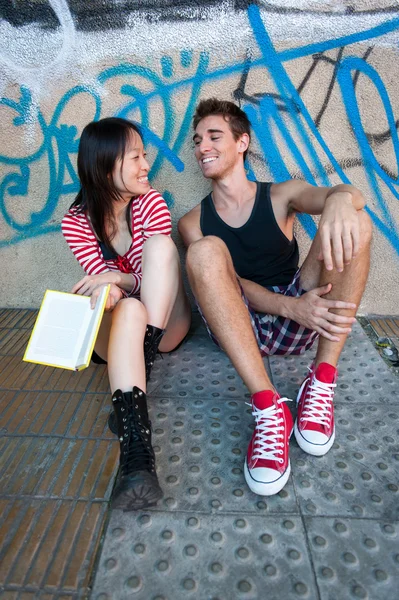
{"x": 126, "y": 281}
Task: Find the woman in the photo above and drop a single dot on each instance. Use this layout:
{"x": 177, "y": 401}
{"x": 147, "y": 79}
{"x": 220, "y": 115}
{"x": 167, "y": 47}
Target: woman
{"x": 119, "y": 230}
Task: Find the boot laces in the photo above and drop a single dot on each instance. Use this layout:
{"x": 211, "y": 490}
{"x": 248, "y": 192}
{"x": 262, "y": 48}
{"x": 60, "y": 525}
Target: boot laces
{"x": 269, "y": 432}
{"x": 136, "y": 448}
{"x": 151, "y": 350}
{"x": 317, "y": 406}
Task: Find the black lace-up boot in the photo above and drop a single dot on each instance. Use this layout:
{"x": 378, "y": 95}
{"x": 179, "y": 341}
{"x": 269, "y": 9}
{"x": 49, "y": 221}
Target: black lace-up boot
{"x": 152, "y": 339}
{"x": 137, "y": 484}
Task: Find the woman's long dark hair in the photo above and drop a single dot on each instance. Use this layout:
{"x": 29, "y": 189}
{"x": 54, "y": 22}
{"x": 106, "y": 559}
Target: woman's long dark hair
{"x": 101, "y": 144}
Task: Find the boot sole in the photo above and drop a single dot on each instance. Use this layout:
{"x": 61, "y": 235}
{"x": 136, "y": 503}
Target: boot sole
{"x": 138, "y": 493}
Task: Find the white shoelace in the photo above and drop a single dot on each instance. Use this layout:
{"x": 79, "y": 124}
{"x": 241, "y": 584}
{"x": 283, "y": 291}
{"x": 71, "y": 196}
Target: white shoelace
{"x": 320, "y": 396}
{"x": 269, "y": 438}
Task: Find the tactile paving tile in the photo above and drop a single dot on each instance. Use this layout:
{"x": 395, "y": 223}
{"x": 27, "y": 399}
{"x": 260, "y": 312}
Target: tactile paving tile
{"x": 360, "y": 474}
{"x": 363, "y": 375}
{"x": 48, "y": 542}
{"x": 197, "y": 369}
{"x": 222, "y": 557}
{"x": 200, "y": 449}
{"x": 355, "y": 559}
{"x": 63, "y": 468}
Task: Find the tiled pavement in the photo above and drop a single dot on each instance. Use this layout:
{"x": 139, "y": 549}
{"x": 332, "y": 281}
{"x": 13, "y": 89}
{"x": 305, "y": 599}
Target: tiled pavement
{"x": 57, "y": 463}
{"x": 331, "y": 534}
{"x": 387, "y": 327}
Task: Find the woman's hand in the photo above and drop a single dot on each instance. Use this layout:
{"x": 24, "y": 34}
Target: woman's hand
{"x": 115, "y": 294}
{"x": 87, "y": 285}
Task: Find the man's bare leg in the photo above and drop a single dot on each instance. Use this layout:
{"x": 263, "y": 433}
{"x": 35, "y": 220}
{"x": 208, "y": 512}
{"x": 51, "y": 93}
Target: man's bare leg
{"x": 214, "y": 283}
{"x": 347, "y": 286}
{"x": 314, "y": 427}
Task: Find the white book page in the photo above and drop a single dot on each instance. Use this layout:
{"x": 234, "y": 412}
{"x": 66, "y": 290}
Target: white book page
{"x": 96, "y": 316}
{"x": 60, "y": 329}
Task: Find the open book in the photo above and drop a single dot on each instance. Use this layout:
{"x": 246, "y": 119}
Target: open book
{"x": 65, "y": 331}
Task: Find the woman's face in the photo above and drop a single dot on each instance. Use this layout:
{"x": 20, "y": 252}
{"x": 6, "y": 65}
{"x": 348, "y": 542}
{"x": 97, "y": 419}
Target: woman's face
{"x": 130, "y": 175}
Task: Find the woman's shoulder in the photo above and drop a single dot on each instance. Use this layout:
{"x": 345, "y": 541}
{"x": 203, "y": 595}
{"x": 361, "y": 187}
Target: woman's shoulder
{"x": 151, "y": 200}
{"x": 75, "y": 216}
{"x": 149, "y": 196}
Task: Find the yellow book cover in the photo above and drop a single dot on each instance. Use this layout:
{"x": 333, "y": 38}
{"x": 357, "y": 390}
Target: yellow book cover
{"x": 66, "y": 330}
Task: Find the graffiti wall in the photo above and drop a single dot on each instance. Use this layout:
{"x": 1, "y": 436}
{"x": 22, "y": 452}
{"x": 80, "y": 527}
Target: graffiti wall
{"x": 318, "y": 80}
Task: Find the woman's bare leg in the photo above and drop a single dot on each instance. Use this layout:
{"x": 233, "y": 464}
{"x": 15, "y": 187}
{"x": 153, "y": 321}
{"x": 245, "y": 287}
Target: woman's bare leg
{"x": 162, "y": 291}
{"x": 120, "y": 342}
{"x": 163, "y": 304}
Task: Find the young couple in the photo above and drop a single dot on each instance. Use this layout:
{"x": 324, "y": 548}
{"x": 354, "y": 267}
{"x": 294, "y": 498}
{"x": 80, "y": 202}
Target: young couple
{"x": 242, "y": 264}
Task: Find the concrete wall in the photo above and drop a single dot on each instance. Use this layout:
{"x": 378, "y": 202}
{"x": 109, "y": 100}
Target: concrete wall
{"x": 317, "y": 79}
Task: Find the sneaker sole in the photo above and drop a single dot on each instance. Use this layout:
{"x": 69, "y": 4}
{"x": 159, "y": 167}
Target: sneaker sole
{"x": 313, "y": 449}
{"x": 266, "y": 489}
{"x": 138, "y": 493}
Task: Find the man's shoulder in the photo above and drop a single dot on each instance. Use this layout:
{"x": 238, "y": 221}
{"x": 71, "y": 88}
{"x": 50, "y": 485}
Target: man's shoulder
{"x": 189, "y": 225}
{"x": 192, "y": 215}
{"x": 284, "y": 191}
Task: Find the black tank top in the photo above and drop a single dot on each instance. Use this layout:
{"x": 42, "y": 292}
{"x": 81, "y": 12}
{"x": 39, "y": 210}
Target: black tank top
{"x": 261, "y": 252}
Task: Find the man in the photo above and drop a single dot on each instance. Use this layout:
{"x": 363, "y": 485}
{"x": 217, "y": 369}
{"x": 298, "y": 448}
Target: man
{"x": 242, "y": 264}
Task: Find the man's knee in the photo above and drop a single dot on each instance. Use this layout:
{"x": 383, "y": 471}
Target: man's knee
{"x": 206, "y": 254}
{"x": 366, "y": 229}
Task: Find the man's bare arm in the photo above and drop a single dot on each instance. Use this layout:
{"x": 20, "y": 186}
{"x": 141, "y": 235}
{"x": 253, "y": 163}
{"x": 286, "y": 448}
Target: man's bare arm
{"x": 339, "y": 226}
{"x": 310, "y": 310}
{"x": 189, "y": 226}
{"x": 305, "y": 198}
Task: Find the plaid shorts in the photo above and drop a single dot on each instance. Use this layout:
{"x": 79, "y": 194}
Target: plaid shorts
{"x": 276, "y": 334}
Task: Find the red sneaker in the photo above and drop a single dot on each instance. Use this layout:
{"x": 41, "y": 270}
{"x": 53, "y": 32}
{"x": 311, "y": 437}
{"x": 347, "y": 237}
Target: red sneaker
{"x": 267, "y": 466}
{"x": 314, "y": 426}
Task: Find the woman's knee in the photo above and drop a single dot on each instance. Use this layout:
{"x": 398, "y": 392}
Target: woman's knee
{"x": 159, "y": 247}
{"x": 208, "y": 252}
{"x": 131, "y": 311}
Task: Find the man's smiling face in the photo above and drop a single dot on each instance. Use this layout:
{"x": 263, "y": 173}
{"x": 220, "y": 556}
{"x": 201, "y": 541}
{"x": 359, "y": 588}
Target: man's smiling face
{"x": 216, "y": 150}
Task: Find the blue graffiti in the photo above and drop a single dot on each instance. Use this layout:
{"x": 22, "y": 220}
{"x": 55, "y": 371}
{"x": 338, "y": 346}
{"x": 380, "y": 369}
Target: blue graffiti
{"x": 303, "y": 143}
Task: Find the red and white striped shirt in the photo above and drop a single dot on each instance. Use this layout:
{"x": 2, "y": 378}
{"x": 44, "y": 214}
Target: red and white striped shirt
{"x": 150, "y": 216}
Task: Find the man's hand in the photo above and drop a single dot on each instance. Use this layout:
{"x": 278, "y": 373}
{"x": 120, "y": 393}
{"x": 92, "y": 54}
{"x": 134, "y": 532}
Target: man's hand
{"x": 339, "y": 230}
{"x": 312, "y": 311}
{"x": 87, "y": 285}
{"x": 115, "y": 294}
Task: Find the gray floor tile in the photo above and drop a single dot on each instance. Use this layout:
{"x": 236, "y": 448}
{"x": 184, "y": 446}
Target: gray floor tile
{"x": 363, "y": 375}
{"x": 197, "y": 369}
{"x": 149, "y": 556}
{"x": 355, "y": 558}
{"x": 200, "y": 447}
{"x": 360, "y": 475}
